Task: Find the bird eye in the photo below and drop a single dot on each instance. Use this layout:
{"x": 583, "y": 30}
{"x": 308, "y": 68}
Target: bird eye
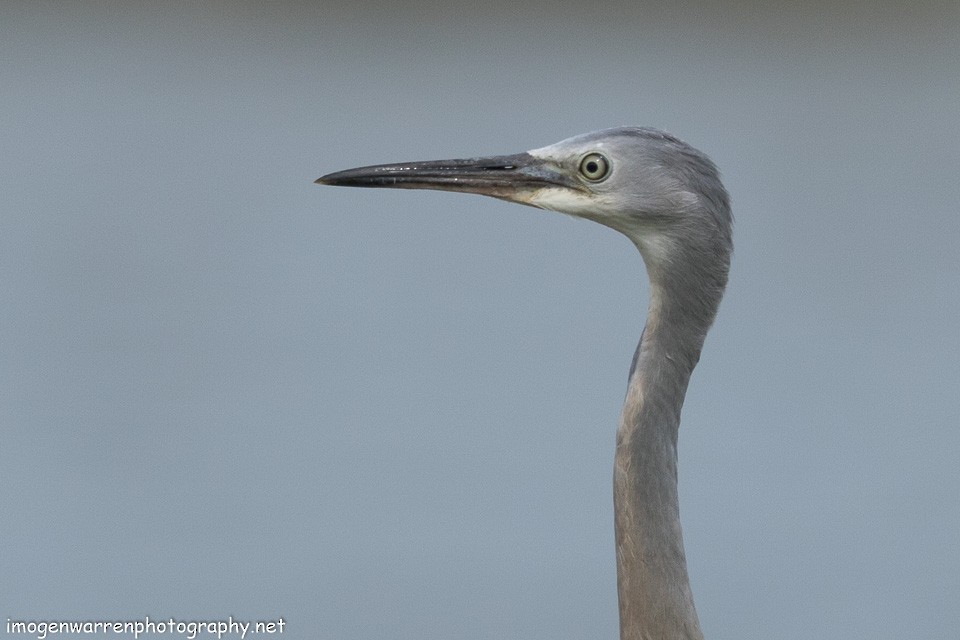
{"x": 594, "y": 167}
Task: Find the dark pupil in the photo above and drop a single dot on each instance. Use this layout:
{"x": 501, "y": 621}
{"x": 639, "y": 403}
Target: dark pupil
{"x": 592, "y": 166}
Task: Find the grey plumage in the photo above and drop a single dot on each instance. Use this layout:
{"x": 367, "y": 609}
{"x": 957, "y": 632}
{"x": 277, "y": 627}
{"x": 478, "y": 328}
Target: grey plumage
{"x": 668, "y": 199}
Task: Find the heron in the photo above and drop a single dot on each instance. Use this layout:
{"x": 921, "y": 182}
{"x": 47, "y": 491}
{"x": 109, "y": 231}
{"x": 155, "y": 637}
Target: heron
{"x": 668, "y": 199}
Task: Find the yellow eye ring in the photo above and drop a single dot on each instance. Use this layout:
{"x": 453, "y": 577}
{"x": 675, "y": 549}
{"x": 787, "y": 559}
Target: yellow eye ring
{"x": 594, "y": 167}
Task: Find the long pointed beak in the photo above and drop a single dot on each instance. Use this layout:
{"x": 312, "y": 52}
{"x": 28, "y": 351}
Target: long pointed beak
{"x": 514, "y": 177}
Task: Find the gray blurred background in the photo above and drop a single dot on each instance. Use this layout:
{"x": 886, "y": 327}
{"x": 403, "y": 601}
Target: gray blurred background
{"x": 225, "y": 390}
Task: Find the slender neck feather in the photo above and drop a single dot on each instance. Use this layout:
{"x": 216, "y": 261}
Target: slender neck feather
{"x": 656, "y": 602}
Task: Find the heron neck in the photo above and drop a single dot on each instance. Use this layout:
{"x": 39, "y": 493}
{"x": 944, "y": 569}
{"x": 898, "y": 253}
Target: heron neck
{"x": 654, "y": 590}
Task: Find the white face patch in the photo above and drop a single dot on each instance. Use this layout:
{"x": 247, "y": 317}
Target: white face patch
{"x": 544, "y": 153}
{"x": 569, "y": 201}
{"x": 562, "y": 200}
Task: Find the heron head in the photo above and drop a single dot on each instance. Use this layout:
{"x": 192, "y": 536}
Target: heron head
{"x": 660, "y": 192}
{"x": 650, "y": 186}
